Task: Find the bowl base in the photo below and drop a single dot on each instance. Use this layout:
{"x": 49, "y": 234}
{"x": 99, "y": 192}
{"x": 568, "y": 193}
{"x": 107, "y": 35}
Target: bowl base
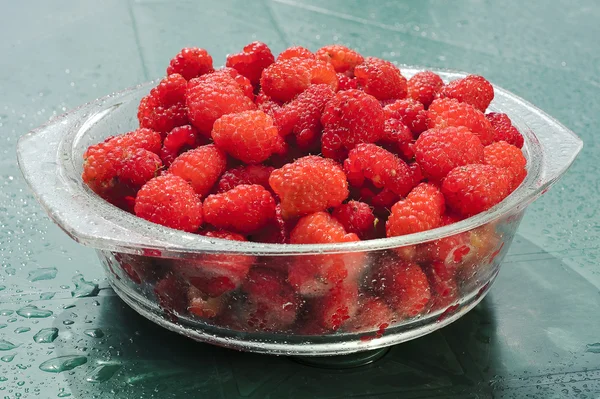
{"x": 342, "y": 361}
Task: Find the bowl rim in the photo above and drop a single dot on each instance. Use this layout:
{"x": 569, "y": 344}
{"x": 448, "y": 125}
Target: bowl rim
{"x": 546, "y": 164}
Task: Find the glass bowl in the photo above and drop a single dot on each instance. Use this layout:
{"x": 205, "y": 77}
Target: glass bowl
{"x": 160, "y": 272}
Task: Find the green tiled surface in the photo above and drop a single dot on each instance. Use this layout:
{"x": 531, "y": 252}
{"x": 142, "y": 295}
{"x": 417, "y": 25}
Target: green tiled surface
{"x": 535, "y": 335}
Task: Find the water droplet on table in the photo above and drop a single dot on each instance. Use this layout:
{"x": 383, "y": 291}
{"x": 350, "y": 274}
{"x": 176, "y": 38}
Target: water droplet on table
{"x": 2, "y": 379}
{"x": 68, "y": 306}
{"x": 6, "y": 346}
{"x": 94, "y": 333}
{"x": 46, "y": 335}
{"x": 6, "y": 312}
{"x": 63, "y": 394}
{"x": 102, "y": 373}
{"x": 83, "y": 288}
{"x": 3, "y": 325}
{"x": 47, "y": 273}
{"x": 21, "y": 383}
{"x": 7, "y": 358}
{"x": 68, "y": 322}
{"x": 2, "y": 287}
{"x": 63, "y": 363}
{"x": 32, "y": 312}
{"x": 20, "y": 330}
{"x": 594, "y": 348}
{"x": 47, "y": 295}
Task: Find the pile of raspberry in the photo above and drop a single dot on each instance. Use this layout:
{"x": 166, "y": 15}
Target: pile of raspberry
{"x": 311, "y": 148}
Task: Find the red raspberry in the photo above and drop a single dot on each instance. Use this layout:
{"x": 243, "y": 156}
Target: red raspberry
{"x": 215, "y": 275}
{"x": 170, "y": 201}
{"x": 171, "y": 295}
{"x": 438, "y": 151}
{"x": 384, "y": 169}
{"x": 211, "y": 96}
{"x": 249, "y": 136}
{"x": 250, "y": 174}
{"x": 302, "y": 116}
{"x": 191, "y": 63}
{"x": 346, "y": 82}
{"x": 164, "y": 108}
{"x": 243, "y": 82}
{"x": 381, "y": 200}
{"x": 201, "y": 167}
{"x": 410, "y": 112}
{"x": 343, "y": 59}
{"x": 254, "y": 57}
{"x": 507, "y": 156}
{"x": 421, "y": 210}
{"x": 179, "y": 140}
{"x": 398, "y": 139}
{"x": 245, "y": 208}
{"x": 372, "y": 314}
{"x": 356, "y": 217}
{"x": 309, "y": 184}
{"x": 277, "y": 232}
{"x": 443, "y": 285}
{"x": 472, "y": 189}
{"x": 504, "y": 130}
{"x": 203, "y": 306}
{"x": 332, "y": 146}
{"x": 472, "y": 89}
{"x": 285, "y": 79}
{"x": 354, "y": 117}
{"x": 139, "y": 166}
{"x": 381, "y": 79}
{"x": 320, "y": 228}
{"x": 295, "y": 52}
{"x": 337, "y": 307}
{"x": 451, "y": 251}
{"x": 445, "y": 112}
{"x": 424, "y": 86}
{"x": 403, "y": 285}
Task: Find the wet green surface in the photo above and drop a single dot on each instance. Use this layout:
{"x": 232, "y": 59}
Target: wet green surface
{"x": 537, "y": 334}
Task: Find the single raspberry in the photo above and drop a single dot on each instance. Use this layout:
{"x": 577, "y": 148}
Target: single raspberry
{"x": 403, "y": 285}
{"x": 424, "y": 86}
{"x": 242, "y": 82}
{"x": 410, "y": 112}
{"x": 381, "y": 79}
{"x": 191, "y": 63}
{"x": 373, "y": 314}
{"x": 507, "y": 156}
{"x": 249, "y": 136}
{"x": 381, "y": 199}
{"x": 440, "y": 150}
{"x": 504, "y": 129}
{"x": 354, "y": 117}
{"x": 204, "y": 306}
{"x": 346, "y": 82}
{"x": 421, "y": 210}
{"x": 211, "y": 96}
{"x": 250, "y": 174}
{"x": 277, "y": 232}
{"x": 302, "y": 116}
{"x": 338, "y": 306}
{"x": 398, "y": 139}
{"x": 472, "y": 89}
{"x": 180, "y": 140}
{"x": 320, "y": 228}
{"x": 343, "y": 59}
{"x": 472, "y": 189}
{"x": 295, "y": 52}
{"x": 201, "y": 167}
{"x": 254, "y": 57}
{"x": 309, "y": 184}
{"x": 164, "y": 108}
{"x": 170, "y": 201}
{"x": 445, "y": 112}
{"x": 444, "y": 288}
{"x": 451, "y": 251}
{"x": 139, "y": 166}
{"x": 332, "y": 146}
{"x": 215, "y": 275}
{"x": 171, "y": 295}
{"x": 245, "y": 208}
{"x": 356, "y": 217}
{"x": 381, "y": 167}
{"x": 285, "y": 79}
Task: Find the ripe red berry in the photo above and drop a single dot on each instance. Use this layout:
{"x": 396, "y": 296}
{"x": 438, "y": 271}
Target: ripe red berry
{"x": 424, "y": 86}
{"x": 191, "y": 63}
{"x": 504, "y": 130}
{"x": 445, "y": 112}
{"x": 320, "y": 228}
{"x": 356, "y": 217}
{"x": 507, "y": 156}
{"x": 398, "y": 139}
{"x": 203, "y": 306}
{"x": 338, "y": 306}
{"x": 249, "y": 174}
{"x": 440, "y": 150}
{"x": 410, "y": 112}
{"x": 170, "y": 201}
{"x": 164, "y": 108}
{"x": 444, "y": 288}
{"x": 472, "y": 189}
{"x": 472, "y": 89}
{"x": 346, "y": 82}
{"x": 343, "y": 59}
{"x": 201, "y": 167}
{"x": 295, "y": 52}
{"x": 421, "y": 210}
{"x": 139, "y": 166}
{"x": 179, "y": 140}
{"x": 249, "y": 136}
{"x": 309, "y": 184}
{"x": 381, "y": 79}
{"x": 171, "y": 295}
{"x": 254, "y": 57}
{"x": 373, "y": 314}
{"x": 245, "y": 208}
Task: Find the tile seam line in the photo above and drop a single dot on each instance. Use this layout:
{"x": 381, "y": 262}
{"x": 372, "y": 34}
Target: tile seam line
{"x": 137, "y": 40}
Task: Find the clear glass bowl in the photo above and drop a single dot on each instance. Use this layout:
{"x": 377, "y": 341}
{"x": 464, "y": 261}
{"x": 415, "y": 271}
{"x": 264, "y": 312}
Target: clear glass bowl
{"x": 156, "y": 269}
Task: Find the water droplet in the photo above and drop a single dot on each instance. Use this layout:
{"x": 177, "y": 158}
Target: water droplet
{"x": 47, "y": 295}
{"x": 6, "y": 312}
{"x": 63, "y": 363}
{"x": 46, "y": 335}
{"x": 68, "y": 322}
{"x": 102, "y": 373}
{"x": 63, "y": 394}
{"x": 2, "y": 287}
{"x": 22, "y": 366}
{"x": 594, "y": 348}
{"x": 94, "y": 333}
{"x": 32, "y": 312}
{"x": 68, "y": 306}
{"x": 6, "y": 346}
{"x": 3, "y": 325}
{"x": 7, "y": 358}
{"x": 21, "y": 383}
{"x": 2, "y": 379}
{"x": 12, "y": 320}
{"x": 20, "y": 330}
{"x": 11, "y": 271}
{"x": 83, "y": 288}
{"x": 47, "y": 273}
